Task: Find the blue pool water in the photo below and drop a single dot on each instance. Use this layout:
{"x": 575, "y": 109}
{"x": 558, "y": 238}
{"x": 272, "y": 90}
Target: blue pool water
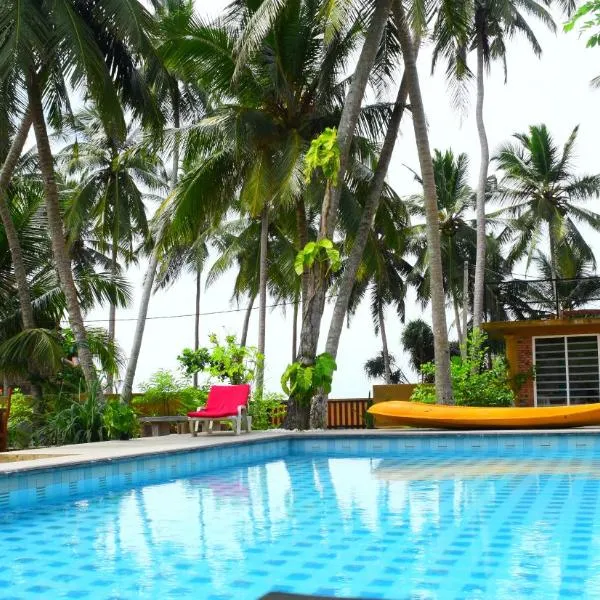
{"x": 438, "y": 526}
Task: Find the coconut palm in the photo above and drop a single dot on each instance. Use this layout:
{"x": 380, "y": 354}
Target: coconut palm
{"x": 190, "y": 258}
{"x": 384, "y": 272}
{"x": 181, "y": 103}
{"x": 91, "y": 45}
{"x": 257, "y": 140}
{"x": 94, "y": 286}
{"x": 110, "y": 171}
{"x": 442, "y": 356}
{"x": 375, "y": 368}
{"x": 491, "y": 23}
{"x": 417, "y": 340}
{"x": 543, "y": 196}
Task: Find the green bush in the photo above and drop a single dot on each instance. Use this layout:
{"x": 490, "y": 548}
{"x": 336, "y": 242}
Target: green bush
{"x": 80, "y": 422}
{"x": 120, "y": 421}
{"x": 166, "y": 394}
{"x": 228, "y": 362}
{"x": 303, "y": 382}
{"x": 21, "y": 421}
{"x": 261, "y": 410}
{"x": 473, "y": 384}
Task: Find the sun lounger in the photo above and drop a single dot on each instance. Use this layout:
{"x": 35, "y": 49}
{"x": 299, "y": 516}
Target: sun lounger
{"x": 225, "y": 403}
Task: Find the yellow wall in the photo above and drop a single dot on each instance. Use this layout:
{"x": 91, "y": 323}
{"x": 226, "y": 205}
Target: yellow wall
{"x": 383, "y": 393}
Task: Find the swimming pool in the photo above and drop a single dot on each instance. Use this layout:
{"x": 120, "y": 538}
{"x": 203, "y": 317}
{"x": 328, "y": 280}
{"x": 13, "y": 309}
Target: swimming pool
{"x": 446, "y": 518}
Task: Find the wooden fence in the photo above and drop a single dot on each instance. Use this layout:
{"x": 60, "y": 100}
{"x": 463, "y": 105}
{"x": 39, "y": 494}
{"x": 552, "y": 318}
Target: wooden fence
{"x": 344, "y": 413}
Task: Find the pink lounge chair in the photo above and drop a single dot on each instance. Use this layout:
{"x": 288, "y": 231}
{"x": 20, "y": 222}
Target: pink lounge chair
{"x": 225, "y": 403}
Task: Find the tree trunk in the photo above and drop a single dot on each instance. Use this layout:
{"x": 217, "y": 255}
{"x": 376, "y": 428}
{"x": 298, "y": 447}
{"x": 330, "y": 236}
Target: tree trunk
{"x": 465, "y": 308}
{"x": 443, "y": 383}
{"x": 366, "y": 222}
{"x": 262, "y": 291}
{"x": 148, "y": 285}
{"x": 197, "y": 318}
{"x": 57, "y": 235}
{"x": 138, "y": 335}
{"x": 12, "y": 236}
{"x": 295, "y": 329}
{"x": 479, "y": 286}
{"x": 246, "y": 324}
{"x": 552, "y": 237}
{"x": 312, "y": 312}
{"x": 302, "y": 234}
{"x": 112, "y": 313}
{"x": 459, "y": 331}
{"x": 387, "y": 371}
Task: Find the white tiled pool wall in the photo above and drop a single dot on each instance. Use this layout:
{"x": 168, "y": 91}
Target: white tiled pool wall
{"x": 27, "y": 488}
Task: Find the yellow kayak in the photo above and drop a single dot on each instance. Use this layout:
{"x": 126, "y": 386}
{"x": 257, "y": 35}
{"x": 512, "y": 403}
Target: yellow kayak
{"x": 469, "y": 417}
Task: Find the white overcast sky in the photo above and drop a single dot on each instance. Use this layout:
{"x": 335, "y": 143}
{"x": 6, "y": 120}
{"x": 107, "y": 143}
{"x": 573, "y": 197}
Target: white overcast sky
{"x": 553, "y": 90}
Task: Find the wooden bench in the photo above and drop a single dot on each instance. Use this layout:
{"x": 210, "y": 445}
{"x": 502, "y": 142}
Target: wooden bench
{"x": 155, "y": 426}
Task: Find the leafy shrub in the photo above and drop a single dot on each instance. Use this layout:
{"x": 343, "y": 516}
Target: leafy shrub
{"x": 228, "y": 362}
{"x": 473, "y": 385}
{"x": 262, "y": 409}
{"x": 303, "y": 382}
{"x": 167, "y": 394}
{"x": 120, "y": 421}
{"x": 20, "y": 423}
{"x": 80, "y": 422}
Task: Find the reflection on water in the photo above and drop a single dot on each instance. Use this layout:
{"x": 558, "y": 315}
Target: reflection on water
{"x": 433, "y": 527}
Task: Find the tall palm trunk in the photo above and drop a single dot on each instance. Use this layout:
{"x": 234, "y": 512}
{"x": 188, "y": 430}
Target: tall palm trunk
{"x": 553, "y": 243}
{"x": 149, "y": 277}
{"x": 138, "y": 335}
{"x": 366, "y": 222}
{"x": 262, "y": 291}
{"x": 478, "y": 292}
{"x": 246, "y": 323}
{"x": 314, "y": 303}
{"x": 57, "y": 234}
{"x": 295, "y": 328}
{"x": 443, "y": 383}
{"x": 387, "y": 370}
{"x": 12, "y": 237}
{"x": 112, "y": 313}
{"x": 197, "y": 317}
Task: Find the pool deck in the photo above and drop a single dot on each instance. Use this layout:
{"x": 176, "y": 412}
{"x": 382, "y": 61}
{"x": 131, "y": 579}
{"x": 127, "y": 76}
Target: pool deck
{"x": 77, "y": 454}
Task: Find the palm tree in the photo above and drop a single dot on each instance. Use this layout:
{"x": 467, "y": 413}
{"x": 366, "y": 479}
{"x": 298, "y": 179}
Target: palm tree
{"x": 91, "y": 44}
{"x": 110, "y": 171}
{"x": 180, "y": 102}
{"x": 492, "y": 23}
{"x": 48, "y": 304}
{"x": 189, "y": 258}
{"x": 383, "y": 272}
{"x": 455, "y": 200}
{"x": 257, "y": 140}
{"x": 577, "y": 284}
{"x": 14, "y": 246}
{"x": 417, "y": 340}
{"x": 443, "y": 383}
{"x": 543, "y": 195}
{"x": 384, "y": 367}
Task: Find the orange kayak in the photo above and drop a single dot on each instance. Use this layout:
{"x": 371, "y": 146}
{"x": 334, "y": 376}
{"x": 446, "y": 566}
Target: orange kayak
{"x": 469, "y": 417}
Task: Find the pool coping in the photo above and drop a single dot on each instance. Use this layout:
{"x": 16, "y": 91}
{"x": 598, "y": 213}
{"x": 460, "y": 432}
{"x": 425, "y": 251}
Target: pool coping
{"x": 73, "y": 456}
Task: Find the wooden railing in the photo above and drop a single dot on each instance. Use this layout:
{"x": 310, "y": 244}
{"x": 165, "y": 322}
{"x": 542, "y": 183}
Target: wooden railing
{"x": 343, "y": 413}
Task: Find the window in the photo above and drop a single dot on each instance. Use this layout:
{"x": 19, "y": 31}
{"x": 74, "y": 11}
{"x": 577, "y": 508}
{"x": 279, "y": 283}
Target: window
{"x": 567, "y": 370}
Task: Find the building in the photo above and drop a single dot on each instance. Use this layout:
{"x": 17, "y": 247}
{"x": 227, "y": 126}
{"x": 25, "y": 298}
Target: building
{"x": 553, "y": 361}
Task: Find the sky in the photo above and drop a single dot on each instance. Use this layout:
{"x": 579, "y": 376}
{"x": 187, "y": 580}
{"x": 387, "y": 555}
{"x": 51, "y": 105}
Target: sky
{"x": 553, "y": 90}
